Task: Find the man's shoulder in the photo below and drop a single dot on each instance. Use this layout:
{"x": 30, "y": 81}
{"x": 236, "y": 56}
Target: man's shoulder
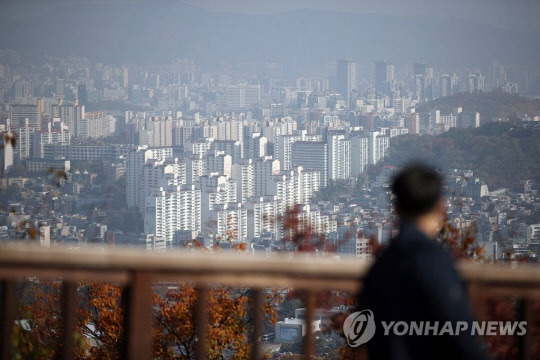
{"x": 409, "y": 254}
{"x": 413, "y": 241}
{"x": 413, "y": 245}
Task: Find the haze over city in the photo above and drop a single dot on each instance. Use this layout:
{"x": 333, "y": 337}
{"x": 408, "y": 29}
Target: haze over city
{"x": 166, "y": 163}
{"x": 300, "y": 34}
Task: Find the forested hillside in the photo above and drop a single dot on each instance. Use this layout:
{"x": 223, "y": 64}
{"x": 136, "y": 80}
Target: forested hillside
{"x": 503, "y": 154}
{"x": 489, "y": 105}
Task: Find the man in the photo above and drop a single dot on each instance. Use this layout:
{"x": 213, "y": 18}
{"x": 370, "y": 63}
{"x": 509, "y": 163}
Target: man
{"x": 414, "y": 279}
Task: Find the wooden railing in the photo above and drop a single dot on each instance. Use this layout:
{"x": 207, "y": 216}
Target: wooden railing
{"x": 139, "y": 270}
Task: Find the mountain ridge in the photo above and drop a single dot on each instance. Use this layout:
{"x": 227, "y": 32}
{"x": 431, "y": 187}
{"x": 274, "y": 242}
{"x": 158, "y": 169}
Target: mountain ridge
{"x": 502, "y": 154}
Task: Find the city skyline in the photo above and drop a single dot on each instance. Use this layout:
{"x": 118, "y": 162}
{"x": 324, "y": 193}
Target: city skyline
{"x": 225, "y": 145}
{"x": 235, "y": 146}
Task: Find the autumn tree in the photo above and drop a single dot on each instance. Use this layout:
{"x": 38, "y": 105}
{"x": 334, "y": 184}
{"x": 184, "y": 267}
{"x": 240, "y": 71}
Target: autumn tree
{"x": 100, "y": 321}
{"x": 38, "y": 334}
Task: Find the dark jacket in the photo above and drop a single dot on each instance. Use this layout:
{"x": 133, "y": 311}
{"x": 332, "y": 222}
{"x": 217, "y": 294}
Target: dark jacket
{"x": 414, "y": 279}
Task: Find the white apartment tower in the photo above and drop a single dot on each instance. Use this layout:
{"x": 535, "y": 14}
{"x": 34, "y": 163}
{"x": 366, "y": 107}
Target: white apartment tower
{"x": 58, "y": 136}
{"x": 242, "y": 172}
{"x": 264, "y": 169}
{"x": 339, "y": 157}
{"x": 155, "y": 172}
{"x": 229, "y": 222}
{"x": 219, "y": 162}
{"x": 95, "y": 125}
{"x": 136, "y": 160}
{"x": 195, "y": 168}
{"x": 172, "y": 208}
{"x": 345, "y": 78}
{"x": 264, "y": 215}
{"x": 359, "y": 155}
{"x": 284, "y": 148}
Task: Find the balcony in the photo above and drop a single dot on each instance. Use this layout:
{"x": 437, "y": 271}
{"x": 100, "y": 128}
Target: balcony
{"x": 137, "y": 271}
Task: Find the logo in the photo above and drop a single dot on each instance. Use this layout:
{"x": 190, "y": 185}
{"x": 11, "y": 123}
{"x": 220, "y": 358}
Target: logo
{"x": 359, "y": 327}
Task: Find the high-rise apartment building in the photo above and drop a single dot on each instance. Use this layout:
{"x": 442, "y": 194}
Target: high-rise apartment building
{"x": 468, "y": 119}
{"x": 255, "y": 146}
{"x": 412, "y": 123}
{"x": 264, "y": 215}
{"x": 23, "y": 149}
{"x": 345, "y": 78}
{"x": 339, "y": 157}
{"x": 95, "y": 125}
{"x": 20, "y": 112}
{"x": 419, "y": 68}
{"x": 310, "y": 181}
{"x": 264, "y": 169}
{"x": 153, "y": 131}
{"x": 384, "y": 77}
{"x": 379, "y": 147}
{"x": 359, "y": 154}
{"x": 286, "y": 187}
{"x": 172, "y": 208}
{"x": 82, "y": 94}
{"x": 242, "y": 172}
{"x": 229, "y": 147}
{"x": 476, "y": 83}
{"x": 220, "y": 163}
{"x": 423, "y": 79}
{"x": 70, "y": 114}
{"x": 215, "y": 189}
{"x": 312, "y": 155}
{"x": 156, "y": 173}
{"x": 419, "y": 87}
{"x": 449, "y": 85}
{"x": 283, "y": 150}
{"x": 195, "y": 168}
{"x": 243, "y": 96}
{"x": 6, "y": 152}
{"x": 57, "y": 133}
{"x": 136, "y": 161}
{"x": 228, "y": 222}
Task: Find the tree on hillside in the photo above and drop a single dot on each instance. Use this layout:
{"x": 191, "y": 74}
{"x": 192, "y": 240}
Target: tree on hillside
{"x": 503, "y": 155}
{"x": 489, "y": 104}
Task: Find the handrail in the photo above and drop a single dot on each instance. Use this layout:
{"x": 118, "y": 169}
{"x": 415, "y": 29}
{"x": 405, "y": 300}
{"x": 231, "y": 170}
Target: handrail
{"x": 293, "y": 265}
{"x": 226, "y": 268}
{"x": 137, "y": 270}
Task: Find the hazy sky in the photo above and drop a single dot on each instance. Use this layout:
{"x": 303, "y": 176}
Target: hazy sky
{"x": 233, "y": 31}
{"x": 520, "y": 15}
{"x": 516, "y": 14}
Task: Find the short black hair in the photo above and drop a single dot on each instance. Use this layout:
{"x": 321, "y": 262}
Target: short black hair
{"x": 417, "y": 189}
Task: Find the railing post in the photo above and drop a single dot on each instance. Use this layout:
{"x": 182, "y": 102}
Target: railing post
{"x": 201, "y": 322}
{"x": 138, "y": 317}
{"x": 309, "y": 340}
{"x": 69, "y": 316}
{"x": 257, "y": 315}
{"x": 7, "y": 317}
{"x": 477, "y": 296}
{"x": 525, "y": 313}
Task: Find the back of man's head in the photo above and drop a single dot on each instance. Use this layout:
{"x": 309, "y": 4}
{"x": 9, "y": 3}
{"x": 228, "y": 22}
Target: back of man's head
{"x": 417, "y": 191}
